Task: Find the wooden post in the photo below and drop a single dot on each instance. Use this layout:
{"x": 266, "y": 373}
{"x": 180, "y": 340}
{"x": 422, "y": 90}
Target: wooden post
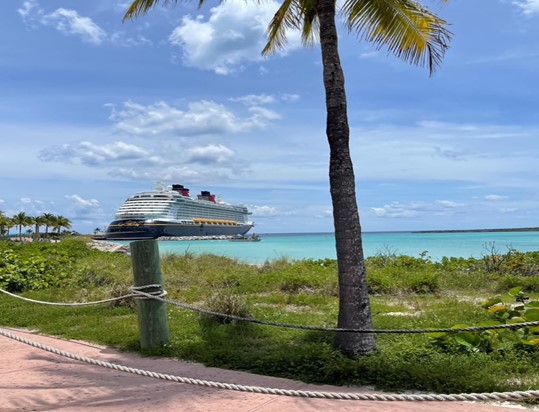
{"x": 152, "y": 313}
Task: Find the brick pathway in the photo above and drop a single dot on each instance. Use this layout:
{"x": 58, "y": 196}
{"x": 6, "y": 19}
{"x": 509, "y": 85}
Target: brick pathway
{"x": 35, "y": 380}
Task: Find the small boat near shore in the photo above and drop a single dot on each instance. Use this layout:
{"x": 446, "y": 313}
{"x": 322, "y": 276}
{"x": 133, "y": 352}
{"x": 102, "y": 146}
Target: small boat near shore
{"x": 253, "y": 238}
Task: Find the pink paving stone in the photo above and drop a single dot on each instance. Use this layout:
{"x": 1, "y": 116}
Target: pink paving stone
{"x": 32, "y": 379}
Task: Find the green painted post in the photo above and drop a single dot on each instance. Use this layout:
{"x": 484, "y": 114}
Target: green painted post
{"x": 152, "y": 313}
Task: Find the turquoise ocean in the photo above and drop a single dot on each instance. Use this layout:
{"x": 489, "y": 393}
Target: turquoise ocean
{"x": 298, "y": 246}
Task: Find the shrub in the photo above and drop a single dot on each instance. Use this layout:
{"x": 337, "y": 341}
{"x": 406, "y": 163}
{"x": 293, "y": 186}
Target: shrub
{"x": 304, "y": 276}
{"x": 528, "y": 284}
{"x": 513, "y": 262}
{"x": 225, "y": 304}
{"x": 397, "y": 280}
{"x": 19, "y": 273}
{"x": 496, "y": 340}
{"x": 392, "y": 273}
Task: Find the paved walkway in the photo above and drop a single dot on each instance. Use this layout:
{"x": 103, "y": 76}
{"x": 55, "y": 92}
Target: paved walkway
{"x": 35, "y": 380}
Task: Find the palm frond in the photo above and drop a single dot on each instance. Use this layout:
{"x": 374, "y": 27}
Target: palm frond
{"x": 311, "y": 28}
{"x": 285, "y": 17}
{"x": 410, "y": 31}
{"x": 139, "y": 7}
{"x": 292, "y": 14}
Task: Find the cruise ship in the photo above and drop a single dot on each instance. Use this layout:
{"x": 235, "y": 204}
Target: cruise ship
{"x": 172, "y": 212}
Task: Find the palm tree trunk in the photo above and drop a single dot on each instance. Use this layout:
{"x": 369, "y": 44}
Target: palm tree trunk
{"x": 354, "y": 305}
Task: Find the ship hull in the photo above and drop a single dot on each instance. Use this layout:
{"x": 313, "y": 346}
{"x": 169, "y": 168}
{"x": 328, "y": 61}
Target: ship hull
{"x": 134, "y": 230}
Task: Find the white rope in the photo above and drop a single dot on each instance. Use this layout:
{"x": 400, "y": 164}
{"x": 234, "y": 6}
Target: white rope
{"x": 138, "y": 293}
{"x": 98, "y": 302}
{"x": 494, "y": 396}
{"x": 352, "y": 330}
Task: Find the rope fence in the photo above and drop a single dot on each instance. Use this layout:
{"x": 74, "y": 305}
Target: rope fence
{"x": 481, "y": 397}
{"x": 159, "y": 294}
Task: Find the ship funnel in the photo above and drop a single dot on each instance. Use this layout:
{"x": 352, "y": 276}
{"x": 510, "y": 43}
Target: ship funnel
{"x": 181, "y": 190}
{"x": 205, "y": 195}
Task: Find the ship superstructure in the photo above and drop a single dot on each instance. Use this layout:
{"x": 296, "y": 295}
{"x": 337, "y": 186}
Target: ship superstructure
{"x": 173, "y": 213}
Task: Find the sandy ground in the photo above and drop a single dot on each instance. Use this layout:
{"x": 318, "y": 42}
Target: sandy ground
{"x": 32, "y": 379}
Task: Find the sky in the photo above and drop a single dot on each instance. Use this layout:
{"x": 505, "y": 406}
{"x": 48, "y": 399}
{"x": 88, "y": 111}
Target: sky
{"x": 93, "y": 109}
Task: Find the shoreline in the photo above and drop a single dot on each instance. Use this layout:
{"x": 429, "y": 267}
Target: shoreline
{"x": 523, "y": 229}
{"x": 110, "y": 245}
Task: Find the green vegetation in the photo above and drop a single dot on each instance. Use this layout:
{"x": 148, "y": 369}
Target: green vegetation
{"x": 406, "y": 292}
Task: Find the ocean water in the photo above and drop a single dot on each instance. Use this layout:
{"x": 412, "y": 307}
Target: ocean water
{"x": 322, "y": 245}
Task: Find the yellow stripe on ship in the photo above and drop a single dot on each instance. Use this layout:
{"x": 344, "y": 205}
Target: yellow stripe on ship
{"x": 215, "y": 221}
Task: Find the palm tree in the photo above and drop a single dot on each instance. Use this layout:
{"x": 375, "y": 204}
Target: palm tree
{"x": 410, "y": 32}
{"x": 30, "y": 220}
{"x": 21, "y": 219}
{"x": 49, "y": 220}
{"x": 61, "y": 222}
{"x": 38, "y": 222}
{"x": 5, "y": 224}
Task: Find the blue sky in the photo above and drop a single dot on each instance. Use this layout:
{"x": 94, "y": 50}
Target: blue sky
{"x": 93, "y": 110}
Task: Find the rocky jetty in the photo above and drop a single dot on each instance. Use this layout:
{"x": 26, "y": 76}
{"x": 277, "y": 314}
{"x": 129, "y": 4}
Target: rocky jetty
{"x": 111, "y": 247}
{"x": 215, "y": 237}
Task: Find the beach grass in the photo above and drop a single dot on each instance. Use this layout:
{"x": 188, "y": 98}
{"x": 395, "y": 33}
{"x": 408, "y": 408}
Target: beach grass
{"x": 407, "y": 293}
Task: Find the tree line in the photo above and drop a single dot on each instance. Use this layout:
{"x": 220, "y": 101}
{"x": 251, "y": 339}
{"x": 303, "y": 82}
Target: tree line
{"x": 34, "y": 224}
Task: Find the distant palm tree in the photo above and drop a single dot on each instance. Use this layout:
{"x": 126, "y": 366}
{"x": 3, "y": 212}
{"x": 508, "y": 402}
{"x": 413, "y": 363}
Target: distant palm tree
{"x": 48, "y": 221}
{"x": 20, "y": 220}
{"x": 30, "y": 220}
{"x": 38, "y": 222}
{"x": 61, "y": 222}
{"x": 5, "y": 224}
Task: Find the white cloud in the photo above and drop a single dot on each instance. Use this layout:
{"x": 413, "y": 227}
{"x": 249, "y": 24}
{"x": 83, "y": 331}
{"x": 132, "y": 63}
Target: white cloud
{"x": 169, "y": 161}
{"x": 289, "y": 97}
{"x": 26, "y": 200}
{"x": 32, "y": 207}
{"x": 397, "y": 209}
{"x": 29, "y": 9}
{"x": 122, "y": 5}
{"x": 370, "y": 54}
{"x": 325, "y": 214}
{"x": 413, "y": 209}
{"x": 254, "y": 100}
{"x": 210, "y": 154}
{"x": 255, "y": 103}
{"x": 264, "y": 211}
{"x": 450, "y": 131}
{"x": 91, "y": 154}
{"x": 203, "y": 117}
{"x": 449, "y": 204}
{"x": 528, "y": 6}
{"x": 69, "y": 22}
{"x": 235, "y": 33}
{"x": 439, "y": 151}
{"x": 121, "y": 38}
{"x": 80, "y": 208}
{"x": 495, "y": 198}
{"x": 81, "y": 203}
{"x": 263, "y": 113}
{"x": 184, "y": 173}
